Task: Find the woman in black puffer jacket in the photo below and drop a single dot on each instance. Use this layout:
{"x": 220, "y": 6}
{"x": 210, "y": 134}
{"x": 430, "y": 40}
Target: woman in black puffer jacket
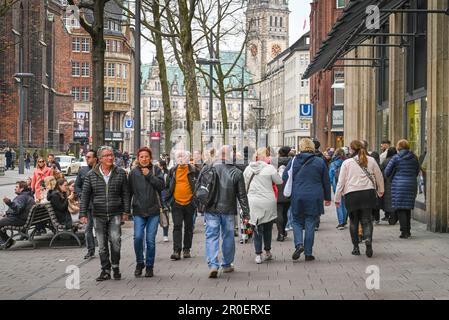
{"x": 60, "y": 203}
{"x": 283, "y": 203}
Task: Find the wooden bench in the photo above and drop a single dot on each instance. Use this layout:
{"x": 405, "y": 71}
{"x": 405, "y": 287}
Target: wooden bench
{"x": 42, "y": 215}
{"x": 38, "y": 216}
{"x": 59, "y": 229}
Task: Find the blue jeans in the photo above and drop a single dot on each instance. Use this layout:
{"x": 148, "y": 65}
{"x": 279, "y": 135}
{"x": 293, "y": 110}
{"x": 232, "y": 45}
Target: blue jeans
{"x": 342, "y": 214}
{"x": 306, "y": 224}
{"x": 145, "y": 229}
{"x": 289, "y": 217}
{"x": 215, "y": 223}
{"x": 263, "y": 233}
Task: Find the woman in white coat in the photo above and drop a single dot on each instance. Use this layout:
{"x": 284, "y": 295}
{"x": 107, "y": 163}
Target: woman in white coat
{"x": 259, "y": 179}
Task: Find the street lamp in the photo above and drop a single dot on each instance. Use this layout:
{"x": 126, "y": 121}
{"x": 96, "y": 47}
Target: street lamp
{"x": 21, "y": 76}
{"x": 211, "y": 62}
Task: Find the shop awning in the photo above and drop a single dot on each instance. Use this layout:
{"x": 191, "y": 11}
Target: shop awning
{"x": 347, "y": 31}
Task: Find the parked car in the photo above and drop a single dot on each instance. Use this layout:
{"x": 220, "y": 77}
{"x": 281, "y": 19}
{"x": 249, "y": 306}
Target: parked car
{"x": 82, "y": 161}
{"x": 69, "y": 165}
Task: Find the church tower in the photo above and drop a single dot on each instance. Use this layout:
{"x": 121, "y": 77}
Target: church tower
{"x": 267, "y": 22}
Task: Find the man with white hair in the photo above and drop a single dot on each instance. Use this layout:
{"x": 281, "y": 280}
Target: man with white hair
{"x": 181, "y": 183}
{"x": 219, "y": 215}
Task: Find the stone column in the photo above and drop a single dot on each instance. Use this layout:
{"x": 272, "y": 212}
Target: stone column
{"x": 396, "y": 81}
{"x": 437, "y": 118}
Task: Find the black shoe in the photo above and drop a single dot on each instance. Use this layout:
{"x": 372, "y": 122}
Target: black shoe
{"x": 385, "y": 218}
{"x": 104, "y": 276}
{"x": 176, "y": 256}
{"x": 280, "y": 238}
{"x": 317, "y": 228}
{"x": 138, "y": 271}
{"x": 149, "y": 272}
{"x": 90, "y": 254}
{"x": 403, "y": 235}
{"x": 116, "y": 273}
{"x": 310, "y": 258}
{"x": 356, "y": 251}
{"x": 369, "y": 249}
{"x": 297, "y": 252}
{"x": 186, "y": 254}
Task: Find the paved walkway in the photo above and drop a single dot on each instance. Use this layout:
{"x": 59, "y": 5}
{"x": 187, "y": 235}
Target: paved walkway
{"x": 12, "y": 176}
{"x": 417, "y": 268}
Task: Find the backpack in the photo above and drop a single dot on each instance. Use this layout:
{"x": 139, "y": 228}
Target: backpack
{"x": 337, "y": 174}
{"x": 207, "y": 186}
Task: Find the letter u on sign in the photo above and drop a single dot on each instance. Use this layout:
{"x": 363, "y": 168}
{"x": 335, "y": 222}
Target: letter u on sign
{"x": 305, "y": 110}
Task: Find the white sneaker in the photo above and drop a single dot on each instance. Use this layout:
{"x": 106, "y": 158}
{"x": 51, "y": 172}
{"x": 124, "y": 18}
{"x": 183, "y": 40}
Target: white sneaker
{"x": 258, "y": 259}
{"x": 165, "y": 239}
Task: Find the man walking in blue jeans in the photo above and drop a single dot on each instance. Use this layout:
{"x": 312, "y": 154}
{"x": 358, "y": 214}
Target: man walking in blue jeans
{"x": 107, "y": 187}
{"x": 219, "y": 216}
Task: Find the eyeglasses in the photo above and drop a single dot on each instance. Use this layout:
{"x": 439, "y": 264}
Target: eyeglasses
{"x": 41, "y": 161}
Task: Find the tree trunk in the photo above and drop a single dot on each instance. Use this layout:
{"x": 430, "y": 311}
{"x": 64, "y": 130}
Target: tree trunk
{"x": 168, "y": 122}
{"x": 190, "y": 83}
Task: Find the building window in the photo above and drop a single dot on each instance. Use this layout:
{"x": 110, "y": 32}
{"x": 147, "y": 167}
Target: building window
{"x": 275, "y": 21}
{"x": 124, "y": 95}
{"x": 338, "y": 86}
{"x": 76, "y": 44}
{"x": 340, "y": 4}
{"x": 124, "y": 71}
{"x": 70, "y": 21}
{"x": 76, "y": 93}
{"x": 75, "y": 69}
{"x": 85, "y": 45}
{"x": 85, "y": 71}
{"x": 271, "y": 21}
{"x": 111, "y": 94}
{"x": 280, "y": 22}
{"x": 114, "y": 46}
{"x": 105, "y": 24}
{"x": 108, "y": 45}
{"x": 111, "y": 69}
{"x": 119, "y": 46}
{"x": 85, "y": 94}
{"x": 119, "y": 94}
{"x": 119, "y": 70}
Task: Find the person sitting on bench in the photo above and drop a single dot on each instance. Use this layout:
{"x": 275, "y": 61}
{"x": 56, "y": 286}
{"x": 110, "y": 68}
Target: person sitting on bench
{"x": 17, "y": 213}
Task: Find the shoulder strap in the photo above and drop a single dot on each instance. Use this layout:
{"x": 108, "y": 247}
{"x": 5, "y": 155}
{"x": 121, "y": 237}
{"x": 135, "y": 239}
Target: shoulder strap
{"x": 157, "y": 192}
{"x": 249, "y": 182}
{"x": 304, "y": 164}
{"x": 365, "y": 170}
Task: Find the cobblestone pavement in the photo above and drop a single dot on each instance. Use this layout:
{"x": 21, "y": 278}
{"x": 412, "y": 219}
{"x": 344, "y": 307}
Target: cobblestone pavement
{"x": 417, "y": 268}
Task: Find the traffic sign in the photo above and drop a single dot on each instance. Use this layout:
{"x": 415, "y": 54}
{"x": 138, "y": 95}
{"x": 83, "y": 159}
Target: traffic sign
{"x": 305, "y": 110}
{"x": 129, "y": 124}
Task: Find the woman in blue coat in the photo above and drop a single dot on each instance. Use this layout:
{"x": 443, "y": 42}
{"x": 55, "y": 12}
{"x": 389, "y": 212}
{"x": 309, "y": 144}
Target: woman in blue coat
{"x": 310, "y": 189}
{"x": 404, "y": 167}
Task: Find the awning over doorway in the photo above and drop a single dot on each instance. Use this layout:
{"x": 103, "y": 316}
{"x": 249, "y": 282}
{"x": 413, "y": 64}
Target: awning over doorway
{"x": 347, "y": 31}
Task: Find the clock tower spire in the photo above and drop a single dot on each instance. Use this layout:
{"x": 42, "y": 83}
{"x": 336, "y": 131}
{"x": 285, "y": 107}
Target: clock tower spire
{"x": 267, "y": 22}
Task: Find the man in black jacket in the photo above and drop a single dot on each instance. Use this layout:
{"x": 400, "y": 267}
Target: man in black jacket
{"x": 106, "y": 186}
{"x": 17, "y": 213}
{"x": 220, "y": 214}
{"x": 91, "y": 159}
{"x": 181, "y": 184}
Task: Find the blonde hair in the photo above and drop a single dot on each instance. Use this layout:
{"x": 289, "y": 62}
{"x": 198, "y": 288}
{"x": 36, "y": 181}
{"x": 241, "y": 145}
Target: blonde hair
{"x": 306, "y": 145}
{"x": 359, "y": 148}
{"x": 50, "y": 182}
{"x": 260, "y": 153}
{"x": 403, "y": 144}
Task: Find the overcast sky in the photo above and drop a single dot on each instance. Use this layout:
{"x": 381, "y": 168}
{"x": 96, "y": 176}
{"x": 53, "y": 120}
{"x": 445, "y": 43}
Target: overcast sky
{"x": 300, "y": 11}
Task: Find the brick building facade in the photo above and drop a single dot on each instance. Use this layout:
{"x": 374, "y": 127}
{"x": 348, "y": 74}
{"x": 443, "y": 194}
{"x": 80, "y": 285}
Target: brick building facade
{"x": 323, "y": 15}
{"x": 34, "y": 40}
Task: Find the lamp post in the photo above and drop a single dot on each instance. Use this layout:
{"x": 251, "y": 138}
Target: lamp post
{"x": 210, "y": 62}
{"x": 137, "y": 76}
{"x": 21, "y": 76}
{"x": 258, "y": 123}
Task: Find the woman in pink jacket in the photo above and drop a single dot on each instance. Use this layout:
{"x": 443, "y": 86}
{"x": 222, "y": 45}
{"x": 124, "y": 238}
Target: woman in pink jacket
{"x": 361, "y": 182}
{"x": 39, "y": 175}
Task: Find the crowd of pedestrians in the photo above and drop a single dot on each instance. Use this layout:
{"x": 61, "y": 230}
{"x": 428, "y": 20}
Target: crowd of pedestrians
{"x": 226, "y": 188}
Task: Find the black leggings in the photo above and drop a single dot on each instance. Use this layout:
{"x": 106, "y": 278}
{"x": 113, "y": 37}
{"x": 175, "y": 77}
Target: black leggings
{"x": 282, "y": 219}
{"x": 365, "y": 217}
{"x": 405, "y": 217}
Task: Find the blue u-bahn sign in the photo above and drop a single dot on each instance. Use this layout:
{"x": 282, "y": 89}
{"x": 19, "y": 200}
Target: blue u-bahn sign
{"x": 305, "y": 111}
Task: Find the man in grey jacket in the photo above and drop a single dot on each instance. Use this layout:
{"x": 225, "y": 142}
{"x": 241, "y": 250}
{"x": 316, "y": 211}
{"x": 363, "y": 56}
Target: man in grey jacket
{"x": 219, "y": 216}
{"x": 106, "y": 186}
